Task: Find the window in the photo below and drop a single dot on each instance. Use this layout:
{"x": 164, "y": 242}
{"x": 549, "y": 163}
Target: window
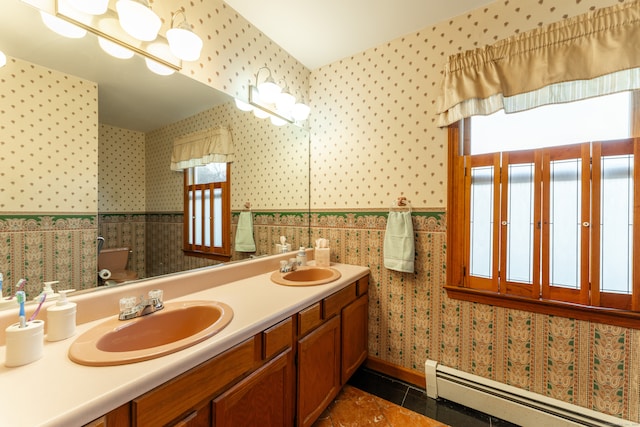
{"x": 549, "y": 227}
{"x": 207, "y": 210}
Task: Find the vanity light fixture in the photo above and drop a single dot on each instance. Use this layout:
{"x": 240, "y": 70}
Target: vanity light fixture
{"x": 278, "y": 104}
{"x": 111, "y": 27}
{"x": 138, "y": 20}
{"x": 184, "y": 43}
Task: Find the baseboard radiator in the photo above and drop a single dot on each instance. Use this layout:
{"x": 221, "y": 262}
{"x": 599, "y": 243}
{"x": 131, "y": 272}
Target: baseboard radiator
{"x": 509, "y": 403}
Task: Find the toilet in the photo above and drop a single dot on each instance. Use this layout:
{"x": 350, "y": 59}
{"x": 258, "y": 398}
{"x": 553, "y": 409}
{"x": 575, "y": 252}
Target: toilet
{"x": 115, "y": 260}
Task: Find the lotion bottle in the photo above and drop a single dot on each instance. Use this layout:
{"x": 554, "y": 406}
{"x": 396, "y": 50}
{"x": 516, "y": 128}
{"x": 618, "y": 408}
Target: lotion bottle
{"x": 301, "y": 258}
{"x": 61, "y": 318}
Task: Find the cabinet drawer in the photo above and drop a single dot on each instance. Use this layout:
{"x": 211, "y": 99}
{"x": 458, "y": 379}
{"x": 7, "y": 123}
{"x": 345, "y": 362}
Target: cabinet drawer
{"x": 334, "y": 303}
{"x": 277, "y": 338}
{"x": 309, "y": 318}
{"x": 363, "y": 285}
{"x": 182, "y": 394}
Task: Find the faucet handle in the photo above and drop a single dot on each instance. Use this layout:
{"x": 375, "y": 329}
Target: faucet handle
{"x": 156, "y": 294}
{"x": 127, "y": 304}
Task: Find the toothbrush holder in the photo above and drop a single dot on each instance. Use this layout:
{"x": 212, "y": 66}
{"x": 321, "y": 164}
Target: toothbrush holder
{"x": 24, "y": 345}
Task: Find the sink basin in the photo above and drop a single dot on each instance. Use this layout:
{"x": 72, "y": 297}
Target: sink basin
{"x": 179, "y": 325}
{"x": 306, "y": 276}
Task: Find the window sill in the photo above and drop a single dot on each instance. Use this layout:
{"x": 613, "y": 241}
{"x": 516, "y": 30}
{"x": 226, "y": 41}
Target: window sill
{"x": 608, "y": 316}
{"x": 216, "y": 257}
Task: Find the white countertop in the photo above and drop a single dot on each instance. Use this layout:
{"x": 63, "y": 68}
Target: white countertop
{"x": 54, "y": 391}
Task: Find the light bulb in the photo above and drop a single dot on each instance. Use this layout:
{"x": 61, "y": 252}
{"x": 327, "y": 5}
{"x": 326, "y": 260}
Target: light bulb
{"x": 184, "y": 43}
{"x": 115, "y": 49}
{"x": 269, "y": 91}
{"x": 300, "y": 111}
{"x": 138, "y": 20}
{"x": 284, "y": 102}
{"x": 160, "y": 50}
{"x": 3, "y": 59}
{"x": 278, "y": 121}
{"x": 158, "y": 68}
{"x": 62, "y": 27}
{"x": 259, "y": 113}
{"x": 243, "y": 106}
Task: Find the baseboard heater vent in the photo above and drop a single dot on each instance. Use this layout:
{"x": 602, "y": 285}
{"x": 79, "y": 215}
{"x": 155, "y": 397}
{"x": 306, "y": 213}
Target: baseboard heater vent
{"x": 510, "y": 403}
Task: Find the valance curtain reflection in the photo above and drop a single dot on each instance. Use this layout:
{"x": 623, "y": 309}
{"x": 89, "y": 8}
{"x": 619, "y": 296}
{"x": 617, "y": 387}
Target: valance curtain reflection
{"x": 594, "y": 54}
{"x": 213, "y": 145}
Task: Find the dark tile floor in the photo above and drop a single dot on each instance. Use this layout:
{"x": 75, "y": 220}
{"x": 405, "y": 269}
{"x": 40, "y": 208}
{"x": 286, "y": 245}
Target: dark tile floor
{"x": 416, "y": 400}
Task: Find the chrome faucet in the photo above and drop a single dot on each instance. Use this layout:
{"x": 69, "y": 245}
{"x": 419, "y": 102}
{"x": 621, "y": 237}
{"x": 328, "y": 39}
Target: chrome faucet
{"x": 131, "y": 307}
{"x": 286, "y": 267}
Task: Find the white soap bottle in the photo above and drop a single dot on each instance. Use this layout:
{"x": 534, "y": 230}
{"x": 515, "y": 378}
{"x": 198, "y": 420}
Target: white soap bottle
{"x": 61, "y": 318}
{"x": 301, "y": 258}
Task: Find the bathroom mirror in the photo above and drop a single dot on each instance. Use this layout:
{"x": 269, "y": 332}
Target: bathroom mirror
{"x": 131, "y": 97}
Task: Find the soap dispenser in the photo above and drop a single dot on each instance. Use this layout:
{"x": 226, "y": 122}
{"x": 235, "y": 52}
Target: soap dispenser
{"x": 301, "y": 258}
{"x": 61, "y": 318}
{"x": 47, "y": 289}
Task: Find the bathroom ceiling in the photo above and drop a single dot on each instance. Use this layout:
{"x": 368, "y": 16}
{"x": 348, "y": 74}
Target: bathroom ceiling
{"x": 318, "y": 33}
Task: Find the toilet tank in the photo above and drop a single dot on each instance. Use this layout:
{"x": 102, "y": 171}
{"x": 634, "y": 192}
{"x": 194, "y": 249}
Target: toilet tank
{"x": 113, "y": 259}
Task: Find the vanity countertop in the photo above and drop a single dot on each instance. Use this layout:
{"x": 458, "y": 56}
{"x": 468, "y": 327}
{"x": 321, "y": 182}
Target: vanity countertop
{"x": 54, "y": 391}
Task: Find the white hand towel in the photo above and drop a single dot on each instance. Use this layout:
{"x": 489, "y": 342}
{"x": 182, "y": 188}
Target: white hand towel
{"x": 244, "y": 233}
{"x": 399, "y": 246}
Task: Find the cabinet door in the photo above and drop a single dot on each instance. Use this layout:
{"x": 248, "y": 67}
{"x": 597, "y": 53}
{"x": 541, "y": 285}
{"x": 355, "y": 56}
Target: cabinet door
{"x": 355, "y": 320}
{"x": 318, "y": 371}
{"x": 263, "y": 399}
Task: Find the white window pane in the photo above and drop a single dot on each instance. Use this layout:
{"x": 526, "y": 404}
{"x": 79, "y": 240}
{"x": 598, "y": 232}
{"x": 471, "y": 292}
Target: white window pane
{"x": 594, "y": 119}
{"x": 565, "y": 223}
{"x": 616, "y": 227}
{"x": 213, "y": 172}
{"x": 217, "y": 212}
{"x": 207, "y": 218}
{"x": 198, "y": 214}
{"x": 520, "y": 232}
{"x": 482, "y": 215}
{"x": 191, "y": 240}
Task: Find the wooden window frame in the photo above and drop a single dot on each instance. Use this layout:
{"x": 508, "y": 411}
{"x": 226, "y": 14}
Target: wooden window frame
{"x": 221, "y": 253}
{"x": 457, "y": 287}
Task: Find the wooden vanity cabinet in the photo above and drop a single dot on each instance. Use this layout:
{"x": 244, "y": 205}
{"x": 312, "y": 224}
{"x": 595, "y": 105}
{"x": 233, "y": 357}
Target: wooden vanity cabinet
{"x": 295, "y": 367}
{"x": 332, "y": 344}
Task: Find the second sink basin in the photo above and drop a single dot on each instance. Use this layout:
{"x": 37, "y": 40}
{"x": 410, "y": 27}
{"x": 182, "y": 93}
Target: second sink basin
{"x": 306, "y": 276}
{"x": 179, "y": 325}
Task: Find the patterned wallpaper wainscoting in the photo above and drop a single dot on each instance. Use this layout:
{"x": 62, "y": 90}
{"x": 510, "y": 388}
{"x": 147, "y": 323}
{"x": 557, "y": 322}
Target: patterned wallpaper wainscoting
{"x": 155, "y": 239}
{"x": 401, "y": 305}
{"x": 46, "y": 248}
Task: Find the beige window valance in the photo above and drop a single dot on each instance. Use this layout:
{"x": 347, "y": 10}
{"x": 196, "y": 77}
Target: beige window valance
{"x": 590, "y": 55}
{"x": 213, "y": 145}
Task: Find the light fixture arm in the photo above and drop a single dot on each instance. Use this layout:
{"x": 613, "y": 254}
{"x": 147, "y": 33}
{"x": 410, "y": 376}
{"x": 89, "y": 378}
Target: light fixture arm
{"x": 183, "y": 24}
{"x": 269, "y": 77}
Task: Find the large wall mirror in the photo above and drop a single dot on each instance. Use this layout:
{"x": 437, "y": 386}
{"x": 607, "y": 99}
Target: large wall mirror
{"x": 138, "y": 114}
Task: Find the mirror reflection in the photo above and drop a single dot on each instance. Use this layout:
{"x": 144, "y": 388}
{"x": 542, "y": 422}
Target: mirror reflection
{"x": 98, "y": 132}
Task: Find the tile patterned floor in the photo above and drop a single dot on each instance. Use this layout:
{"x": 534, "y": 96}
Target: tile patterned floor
{"x": 354, "y": 408}
{"x": 371, "y": 398}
